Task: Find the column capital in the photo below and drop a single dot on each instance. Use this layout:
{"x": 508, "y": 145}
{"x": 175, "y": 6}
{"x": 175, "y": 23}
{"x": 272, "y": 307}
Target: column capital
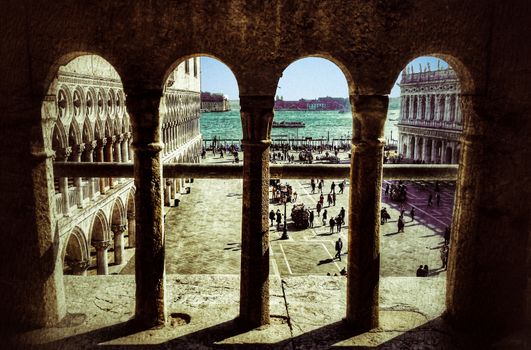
{"x": 78, "y": 266}
{"x": 101, "y": 245}
{"x": 120, "y": 138}
{"x": 63, "y": 153}
{"x": 78, "y": 149}
{"x": 111, "y": 139}
{"x": 91, "y": 146}
{"x": 102, "y": 142}
{"x": 257, "y": 118}
{"x": 118, "y": 229}
{"x": 370, "y": 114}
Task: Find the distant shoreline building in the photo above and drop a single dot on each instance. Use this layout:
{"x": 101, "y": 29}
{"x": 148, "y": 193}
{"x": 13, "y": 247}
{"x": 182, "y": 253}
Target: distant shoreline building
{"x": 431, "y": 122}
{"x": 320, "y": 104}
{"x": 212, "y": 102}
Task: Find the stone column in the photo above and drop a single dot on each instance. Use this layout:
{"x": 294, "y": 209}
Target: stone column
{"x": 487, "y": 281}
{"x": 363, "y": 276}
{"x": 89, "y": 157}
{"x": 101, "y": 256}
{"x": 131, "y": 225}
{"x": 78, "y": 151}
{"x": 125, "y": 147}
{"x": 143, "y": 107}
{"x": 109, "y": 155}
{"x": 443, "y": 152}
{"x": 257, "y": 118}
{"x": 118, "y": 231}
{"x": 428, "y": 108}
{"x": 63, "y": 155}
{"x": 434, "y": 151}
{"x": 79, "y": 267}
{"x": 100, "y": 158}
{"x": 447, "y": 108}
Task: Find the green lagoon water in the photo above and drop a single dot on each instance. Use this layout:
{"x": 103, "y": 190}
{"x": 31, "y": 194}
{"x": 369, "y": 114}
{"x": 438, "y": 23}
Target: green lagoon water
{"x": 227, "y": 125}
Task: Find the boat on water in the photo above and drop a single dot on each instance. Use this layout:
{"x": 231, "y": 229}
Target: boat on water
{"x": 285, "y": 124}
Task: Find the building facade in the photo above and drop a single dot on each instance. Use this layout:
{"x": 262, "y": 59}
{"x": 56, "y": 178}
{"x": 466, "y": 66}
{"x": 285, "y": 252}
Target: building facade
{"x": 211, "y": 102}
{"x": 86, "y": 121}
{"x": 431, "y": 121}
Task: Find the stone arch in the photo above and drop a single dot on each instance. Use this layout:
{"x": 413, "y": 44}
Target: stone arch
{"x": 108, "y": 128}
{"x": 99, "y": 130}
{"x": 59, "y": 139}
{"x": 118, "y": 227}
{"x": 87, "y": 134}
{"x": 131, "y": 222}
{"x": 76, "y": 253}
{"x": 74, "y": 134}
{"x": 99, "y": 230}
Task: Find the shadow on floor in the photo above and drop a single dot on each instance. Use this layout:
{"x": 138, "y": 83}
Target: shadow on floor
{"x": 434, "y": 334}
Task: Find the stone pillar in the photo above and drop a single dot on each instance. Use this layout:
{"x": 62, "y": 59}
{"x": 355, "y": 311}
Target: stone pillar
{"x": 118, "y": 231}
{"x": 131, "y": 226}
{"x": 443, "y": 152}
{"x": 447, "y": 108}
{"x": 363, "y": 268}
{"x": 143, "y": 107}
{"x": 434, "y": 150}
{"x": 428, "y": 107}
{"x": 78, "y": 151}
{"x": 63, "y": 155}
{"x": 131, "y": 150}
{"x": 125, "y": 148}
{"x": 257, "y": 118}
{"x": 32, "y": 288}
{"x": 89, "y": 157}
{"x": 100, "y": 158}
{"x": 487, "y": 277}
{"x": 109, "y": 155}
{"x": 79, "y": 267}
{"x": 101, "y": 256}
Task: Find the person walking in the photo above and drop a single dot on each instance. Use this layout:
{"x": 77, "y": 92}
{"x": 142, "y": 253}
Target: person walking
{"x": 333, "y": 187}
{"x": 321, "y": 199}
{"x": 387, "y": 189}
{"x": 313, "y": 185}
{"x": 318, "y": 208}
{"x": 334, "y": 198}
{"x": 325, "y": 215}
{"x": 339, "y": 247}
{"x": 400, "y": 224}
{"x": 332, "y": 223}
{"x": 320, "y": 187}
{"x": 329, "y": 199}
{"x": 426, "y": 271}
{"x": 311, "y": 218}
{"x": 444, "y": 256}
{"x": 341, "y": 186}
{"x": 412, "y": 213}
{"x": 279, "y": 219}
{"x": 447, "y": 235}
{"x": 430, "y": 200}
{"x": 438, "y": 199}
{"x": 342, "y": 215}
{"x": 272, "y": 217}
{"x": 420, "y": 271}
{"x": 338, "y": 223}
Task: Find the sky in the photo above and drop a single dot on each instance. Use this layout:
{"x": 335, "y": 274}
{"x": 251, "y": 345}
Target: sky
{"x": 310, "y": 77}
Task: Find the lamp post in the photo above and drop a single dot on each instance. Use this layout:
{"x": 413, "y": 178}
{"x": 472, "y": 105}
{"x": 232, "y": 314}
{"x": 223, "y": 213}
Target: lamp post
{"x": 285, "y": 200}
